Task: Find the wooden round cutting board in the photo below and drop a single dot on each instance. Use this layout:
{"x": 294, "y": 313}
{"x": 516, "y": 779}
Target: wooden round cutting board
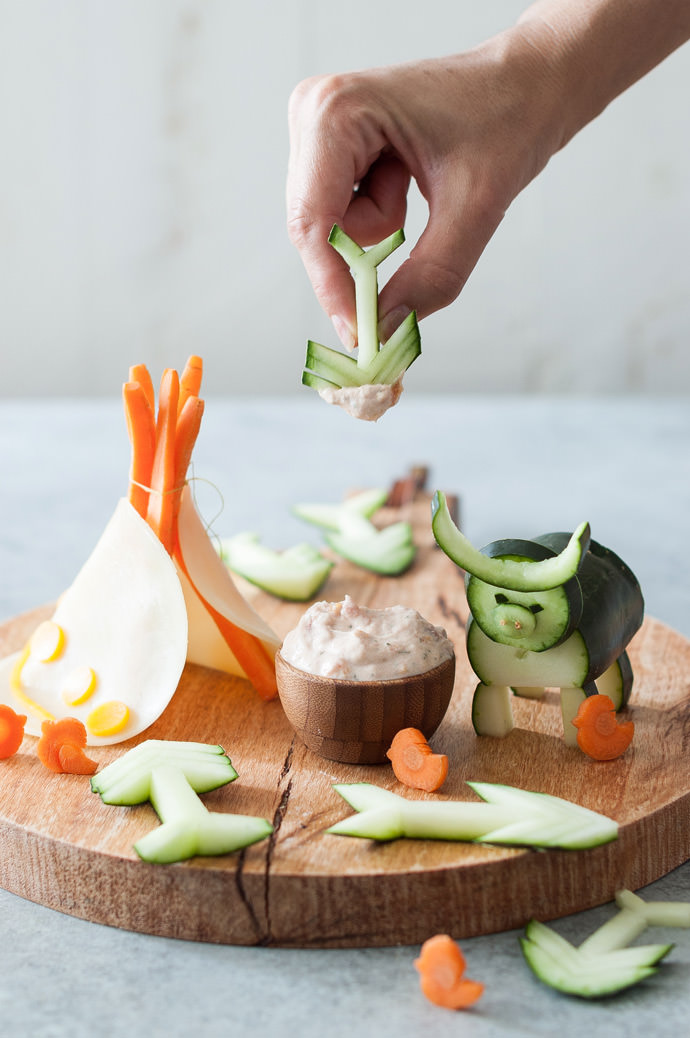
{"x": 62, "y": 847}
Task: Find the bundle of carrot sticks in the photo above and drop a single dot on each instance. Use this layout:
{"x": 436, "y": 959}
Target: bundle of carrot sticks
{"x": 162, "y": 443}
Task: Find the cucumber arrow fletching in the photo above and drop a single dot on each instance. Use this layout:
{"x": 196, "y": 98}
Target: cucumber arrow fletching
{"x": 508, "y": 816}
{"x": 170, "y": 775}
{"x": 507, "y": 573}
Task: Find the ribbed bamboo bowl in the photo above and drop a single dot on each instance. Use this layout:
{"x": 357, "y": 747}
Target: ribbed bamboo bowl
{"x": 354, "y": 722}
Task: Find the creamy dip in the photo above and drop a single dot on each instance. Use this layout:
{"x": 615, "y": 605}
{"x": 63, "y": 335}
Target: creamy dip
{"x": 344, "y": 640}
{"x": 367, "y": 402}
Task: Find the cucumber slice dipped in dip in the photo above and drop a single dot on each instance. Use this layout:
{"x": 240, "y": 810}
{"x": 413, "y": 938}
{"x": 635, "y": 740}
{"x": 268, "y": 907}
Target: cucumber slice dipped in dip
{"x": 370, "y": 383}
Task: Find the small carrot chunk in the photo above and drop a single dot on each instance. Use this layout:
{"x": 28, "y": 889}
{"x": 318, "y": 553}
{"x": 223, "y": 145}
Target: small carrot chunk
{"x": 414, "y": 762}
{"x": 441, "y": 966}
{"x": 61, "y": 747}
{"x": 600, "y": 735}
{"x": 11, "y": 731}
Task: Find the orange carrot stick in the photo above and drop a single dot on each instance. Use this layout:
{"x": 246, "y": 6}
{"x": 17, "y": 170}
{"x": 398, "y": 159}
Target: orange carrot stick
{"x": 61, "y": 747}
{"x": 186, "y": 432}
{"x": 190, "y": 380}
{"x": 441, "y": 966}
{"x": 142, "y": 433}
{"x": 248, "y": 650}
{"x": 11, "y": 731}
{"x": 140, "y": 373}
{"x": 414, "y": 763}
{"x": 160, "y": 509}
{"x": 600, "y": 735}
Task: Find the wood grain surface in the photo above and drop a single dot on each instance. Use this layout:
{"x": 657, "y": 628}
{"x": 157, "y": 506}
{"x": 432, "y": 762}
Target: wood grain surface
{"x": 62, "y": 847}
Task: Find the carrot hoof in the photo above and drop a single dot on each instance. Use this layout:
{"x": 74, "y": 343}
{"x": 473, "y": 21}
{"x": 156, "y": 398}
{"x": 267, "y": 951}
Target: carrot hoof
{"x": 600, "y": 735}
{"x": 61, "y": 747}
{"x": 414, "y": 763}
{"x": 11, "y": 731}
{"x": 441, "y": 966}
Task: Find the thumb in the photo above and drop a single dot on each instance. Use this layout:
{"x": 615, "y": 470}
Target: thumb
{"x": 441, "y": 261}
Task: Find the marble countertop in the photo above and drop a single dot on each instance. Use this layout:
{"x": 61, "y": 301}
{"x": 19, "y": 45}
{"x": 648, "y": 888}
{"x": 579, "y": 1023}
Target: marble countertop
{"x": 521, "y": 466}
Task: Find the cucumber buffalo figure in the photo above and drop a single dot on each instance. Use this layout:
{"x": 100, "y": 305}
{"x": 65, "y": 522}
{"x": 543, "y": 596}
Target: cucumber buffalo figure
{"x": 554, "y": 612}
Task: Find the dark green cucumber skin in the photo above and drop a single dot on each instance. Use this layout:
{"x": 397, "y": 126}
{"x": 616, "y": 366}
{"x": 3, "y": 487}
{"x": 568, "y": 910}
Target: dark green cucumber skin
{"x": 537, "y": 551}
{"x": 613, "y": 606}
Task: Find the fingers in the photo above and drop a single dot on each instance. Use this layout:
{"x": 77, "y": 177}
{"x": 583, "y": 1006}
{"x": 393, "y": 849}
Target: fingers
{"x": 340, "y": 171}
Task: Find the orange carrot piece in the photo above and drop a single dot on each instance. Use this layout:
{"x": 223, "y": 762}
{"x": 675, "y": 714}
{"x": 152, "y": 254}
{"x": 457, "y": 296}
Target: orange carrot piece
{"x": 599, "y": 733}
{"x": 160, "y": 509}
{"x": 11, "y": 731}
{"x": 248, "y": 650}
{"x": 441, "y": 966}
{"x": 142, "y": 434}
{"x": 414, "y": 762}
{"x": 190, "y": 380}
{"x": 140, "y": 373}
{"x": 187, "y": 430}
{"x": 61, "y": 747}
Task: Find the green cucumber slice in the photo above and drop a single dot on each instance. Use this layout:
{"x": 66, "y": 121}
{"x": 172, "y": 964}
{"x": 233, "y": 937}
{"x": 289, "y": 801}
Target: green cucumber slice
{"x": 491, "y": 710}
{"x": 373, "y": 364}
{"x": 507, "y": 573}
{"x": 340, "y": 368}
{"x": 127, "y": 780}
{"x": 295, "y": 574}
{"x": 508, "y": 815}
{"x": 389, "y": 551}
{"x": 591, "y": 981}
{"x": 333, "y": 517}
{"x": 188, "y": 829}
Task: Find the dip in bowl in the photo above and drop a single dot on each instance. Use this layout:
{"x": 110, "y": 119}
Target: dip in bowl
{"x": 349, "y": 678}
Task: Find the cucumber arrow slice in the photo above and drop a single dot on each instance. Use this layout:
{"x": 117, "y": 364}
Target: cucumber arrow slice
{"x": 603, "y": 964}
{"x": 508, "y": 816}
{"x": 295, "y": 574}
{"x": 374, "y": 364}
{"x": 507, "y": 573}
{"x": 170, "y": 774}
{"x": 351, "y": 534}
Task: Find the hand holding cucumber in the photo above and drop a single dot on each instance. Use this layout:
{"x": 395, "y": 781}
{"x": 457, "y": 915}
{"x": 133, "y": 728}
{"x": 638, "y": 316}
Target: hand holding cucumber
{"x": 472, "y": 130}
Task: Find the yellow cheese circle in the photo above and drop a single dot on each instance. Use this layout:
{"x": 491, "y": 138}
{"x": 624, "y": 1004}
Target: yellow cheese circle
{"x": 79, "y": 685}
{"x": 108, "y": 718}
{"x": 47, "y": 641}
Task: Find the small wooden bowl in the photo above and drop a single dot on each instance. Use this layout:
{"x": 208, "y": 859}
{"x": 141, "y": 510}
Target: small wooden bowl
{"x": 354, "y": 722}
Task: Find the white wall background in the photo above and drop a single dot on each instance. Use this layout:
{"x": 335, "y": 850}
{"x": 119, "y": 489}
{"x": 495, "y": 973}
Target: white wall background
{"x": 143, "y": 154}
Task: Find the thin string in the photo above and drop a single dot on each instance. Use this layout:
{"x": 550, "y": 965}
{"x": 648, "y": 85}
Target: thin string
{"x": 191, "y": 482}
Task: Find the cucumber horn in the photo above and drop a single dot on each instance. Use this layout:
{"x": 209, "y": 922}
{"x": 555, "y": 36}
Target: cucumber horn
{"x": 507, "y": 573}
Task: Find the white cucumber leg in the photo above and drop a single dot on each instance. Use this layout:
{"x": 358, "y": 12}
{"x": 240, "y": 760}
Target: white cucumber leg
{"x": 570, "y": 704}
{"x": 492, "y": 713}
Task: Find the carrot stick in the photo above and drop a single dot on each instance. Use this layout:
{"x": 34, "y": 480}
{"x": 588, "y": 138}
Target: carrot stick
{"x": 186, "y": 432}
{"x": 600, "y": 735}
{"x": 441, "y": 966}
{"x": 142, "y": 433}
{"x": 140, "y": 373}
{"x": 190, "y": 380}
{"x": 160, "y": 514}
{"x": 61, "y": 747}
{"x": 11, "y": 731}
{"x": 248, "y": 650}
{"x": 414, "y": 763}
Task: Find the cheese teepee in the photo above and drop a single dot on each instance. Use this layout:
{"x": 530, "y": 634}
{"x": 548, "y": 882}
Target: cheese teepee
{"x": 152, "y": 595}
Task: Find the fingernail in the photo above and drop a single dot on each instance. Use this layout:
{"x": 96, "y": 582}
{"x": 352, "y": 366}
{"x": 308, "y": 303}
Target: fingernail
{"x": 344, "y": 332}
{"x": 391, "y": 321}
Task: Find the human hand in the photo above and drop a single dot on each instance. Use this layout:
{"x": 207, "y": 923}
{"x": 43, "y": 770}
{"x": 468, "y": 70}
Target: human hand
{"x": 471, "y": 130}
